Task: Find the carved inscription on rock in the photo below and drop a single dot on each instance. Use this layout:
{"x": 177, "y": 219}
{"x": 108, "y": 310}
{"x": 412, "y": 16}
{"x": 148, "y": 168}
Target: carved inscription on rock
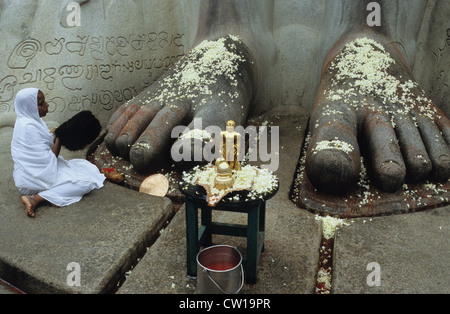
{"x": 90, "y": 72}
{"x": 441, "y": 88}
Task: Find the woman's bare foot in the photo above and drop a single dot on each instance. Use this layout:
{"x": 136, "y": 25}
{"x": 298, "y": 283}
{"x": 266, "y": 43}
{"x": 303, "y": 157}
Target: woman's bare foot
{"x": 30, "y": 202}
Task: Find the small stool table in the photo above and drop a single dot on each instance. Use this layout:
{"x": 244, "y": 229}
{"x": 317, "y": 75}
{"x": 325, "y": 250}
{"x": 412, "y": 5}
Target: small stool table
{"x": 197, "y": 237}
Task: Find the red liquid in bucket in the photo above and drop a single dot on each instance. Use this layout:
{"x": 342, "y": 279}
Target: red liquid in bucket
{"x": 221, "y": 266}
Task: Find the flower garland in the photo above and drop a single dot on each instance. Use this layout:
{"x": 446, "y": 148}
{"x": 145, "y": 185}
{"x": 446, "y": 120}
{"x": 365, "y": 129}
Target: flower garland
{"x": 258, "y": 182}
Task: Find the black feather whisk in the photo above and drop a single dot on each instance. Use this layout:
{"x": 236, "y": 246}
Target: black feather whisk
{"x": 79, "y": 131}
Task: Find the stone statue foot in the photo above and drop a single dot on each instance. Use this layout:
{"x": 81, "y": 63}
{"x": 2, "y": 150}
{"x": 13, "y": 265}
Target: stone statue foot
{"x": 369, "y": 102}
{"x": 210, "y": 85}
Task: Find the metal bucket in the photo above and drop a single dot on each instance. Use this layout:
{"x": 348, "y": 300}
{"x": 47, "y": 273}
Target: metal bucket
{"x": 219, "y": 270}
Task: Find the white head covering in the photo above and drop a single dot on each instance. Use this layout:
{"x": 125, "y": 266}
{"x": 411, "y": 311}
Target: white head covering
{"x": 26, "y": 103}
{"x": 35, "y": 165}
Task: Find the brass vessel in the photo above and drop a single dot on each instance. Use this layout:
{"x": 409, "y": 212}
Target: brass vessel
{"x": 224, "y": 179}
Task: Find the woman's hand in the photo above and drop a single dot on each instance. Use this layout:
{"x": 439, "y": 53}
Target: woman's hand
{"x": 56, "y": 146}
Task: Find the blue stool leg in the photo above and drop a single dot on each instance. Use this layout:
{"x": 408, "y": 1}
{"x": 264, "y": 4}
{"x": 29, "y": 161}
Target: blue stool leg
{"x": 206, "y": 220}
{"x": 191, "y": 237}
{"x": 262, "y": 222}
{"x": 253, "y": 227}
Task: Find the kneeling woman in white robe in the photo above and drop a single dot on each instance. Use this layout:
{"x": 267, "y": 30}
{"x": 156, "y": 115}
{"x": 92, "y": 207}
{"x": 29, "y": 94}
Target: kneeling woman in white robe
{"x": 39, "y": 172}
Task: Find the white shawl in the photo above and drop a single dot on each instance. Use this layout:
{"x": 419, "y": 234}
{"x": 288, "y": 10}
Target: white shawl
{"x": 36, "y": 167}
